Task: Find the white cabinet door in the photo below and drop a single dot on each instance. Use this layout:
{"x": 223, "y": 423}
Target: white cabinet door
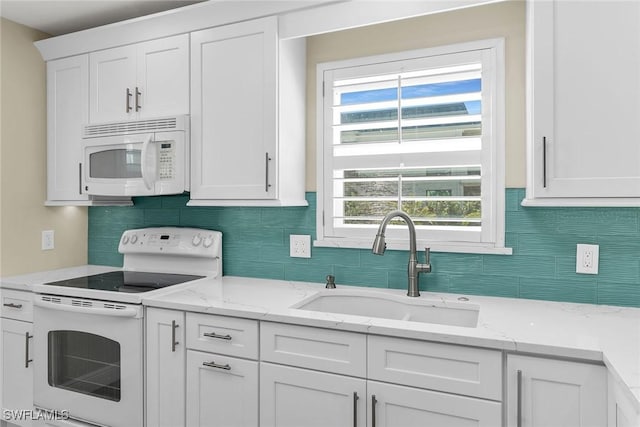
{"x": 113, "y": 82}
{"x": 293, "y": 397}
{"x": 234, "y": 111}
{"x": 221, "y": 390}
{"x": 143, "y": 80}
{"x": 399, "y": 406}
{"x": 165, "y": 371}
{"x": 621, "y": 411}
{"x": 17, "y": 370}
{"x": 67, "y": 111}
{"x": 584, "y": 101}
{"x": 555, "y": 393}
{"x": 163, "y": 77}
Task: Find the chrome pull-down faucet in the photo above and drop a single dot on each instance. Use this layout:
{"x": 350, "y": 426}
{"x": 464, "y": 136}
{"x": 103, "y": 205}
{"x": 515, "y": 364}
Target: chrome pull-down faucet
{"x": 414, "y": 268}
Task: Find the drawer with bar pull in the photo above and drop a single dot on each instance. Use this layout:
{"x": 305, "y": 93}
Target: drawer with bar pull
{"x": 17, "y": 305}
{"x": 229, "y": 336}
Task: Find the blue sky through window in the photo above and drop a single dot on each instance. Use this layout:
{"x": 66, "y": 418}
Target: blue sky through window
{"x": 417, "y": 91}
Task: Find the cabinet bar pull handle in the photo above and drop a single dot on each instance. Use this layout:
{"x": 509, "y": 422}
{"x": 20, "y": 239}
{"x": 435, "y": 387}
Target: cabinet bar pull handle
{"x": 173, "y": 335}
{"x": 519, "y": 399}
{"x": 129, "y": 95}
{"x": 544, "y": 162}
{"x": 26, "y": 349}
{"x": 214, "y": 335}
{"x": 12, "y": 305}
{"x": 355, "y": 409}
{"x": 266, "y": 174}
{"x": 138, "y": 93}
{"x": 373, "y": 410}
{"x": 215, "y": 365}
{"x": 80, "y": 178}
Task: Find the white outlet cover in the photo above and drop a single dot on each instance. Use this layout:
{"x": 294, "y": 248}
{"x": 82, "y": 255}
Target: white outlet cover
{"x": 47, "y": 240}
{"x": 300, "y": 246}
{"x": 587, "y": 257}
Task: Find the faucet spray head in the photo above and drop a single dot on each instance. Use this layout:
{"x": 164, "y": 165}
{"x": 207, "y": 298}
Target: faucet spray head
{"x": 379, "y": 245}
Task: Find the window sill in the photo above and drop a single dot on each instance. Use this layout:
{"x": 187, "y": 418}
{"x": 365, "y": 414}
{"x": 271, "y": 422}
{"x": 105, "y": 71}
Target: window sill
{"x": 453, "y": 247}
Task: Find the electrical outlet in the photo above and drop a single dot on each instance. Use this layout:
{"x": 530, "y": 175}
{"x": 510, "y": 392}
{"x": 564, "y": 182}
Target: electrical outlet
{"x": 300, "y": 246}
{"x": 47, "y": 240}
{"x": 587, "y": 259}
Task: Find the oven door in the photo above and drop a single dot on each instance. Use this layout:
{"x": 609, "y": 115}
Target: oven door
{"x": 88, "y": 359}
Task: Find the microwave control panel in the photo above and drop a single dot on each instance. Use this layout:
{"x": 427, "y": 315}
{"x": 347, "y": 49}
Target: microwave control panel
{"x": 166, "y": 159}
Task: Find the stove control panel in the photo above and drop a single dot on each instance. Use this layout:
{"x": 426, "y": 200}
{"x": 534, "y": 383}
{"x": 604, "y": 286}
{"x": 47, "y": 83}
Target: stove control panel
{"x": 189, "y": 242}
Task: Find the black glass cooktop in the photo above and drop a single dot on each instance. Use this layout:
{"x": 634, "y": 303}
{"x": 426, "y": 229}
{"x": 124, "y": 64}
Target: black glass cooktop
{"x": 126, "y": 281}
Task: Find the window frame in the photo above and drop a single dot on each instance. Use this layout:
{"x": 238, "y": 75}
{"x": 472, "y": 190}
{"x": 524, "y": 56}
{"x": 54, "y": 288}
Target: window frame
{"x": 492, "y": 235}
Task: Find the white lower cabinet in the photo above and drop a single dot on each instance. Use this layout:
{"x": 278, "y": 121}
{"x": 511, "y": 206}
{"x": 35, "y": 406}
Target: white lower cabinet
{"x": 303, "y": 396}
{"x": 391, "y": 405}
{"x": 16, "y": 374}
{"x": 294, "y": 397}
{"x": 165, "y": 371}
{"x": 546, "y": 392}
{"x": 210, "y": 370}
{"x": 17, "y": 371}
{"x": 222, "y": 371}
{"x": 621, "y": 410}
{"x": 221, "y": 390}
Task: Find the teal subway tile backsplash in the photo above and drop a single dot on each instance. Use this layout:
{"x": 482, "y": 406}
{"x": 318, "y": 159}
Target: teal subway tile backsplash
{"x": 256, "y": 244}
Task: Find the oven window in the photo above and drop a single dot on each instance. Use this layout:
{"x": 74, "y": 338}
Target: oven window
{"x": 113, "y": 164}
{"x": 84, "y": 363}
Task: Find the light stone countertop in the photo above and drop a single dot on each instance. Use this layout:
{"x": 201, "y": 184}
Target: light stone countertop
{"x": 600, "y": 333}
{"x": 583, "y": 331}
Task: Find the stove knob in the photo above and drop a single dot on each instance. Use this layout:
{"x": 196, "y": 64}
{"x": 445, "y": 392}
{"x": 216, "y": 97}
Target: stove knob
{"x": 196, "y": 240}
{"x": 125, "y": 239}
{"x": 208, "y": 241}
{"x": 134, "y": 238}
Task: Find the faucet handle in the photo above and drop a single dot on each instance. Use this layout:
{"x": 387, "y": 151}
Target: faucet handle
{"x": 427, "y": 255}
{"x": 331, "y": 283}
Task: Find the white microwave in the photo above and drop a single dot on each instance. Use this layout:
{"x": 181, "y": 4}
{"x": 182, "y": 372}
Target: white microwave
{"x": 135, "y": 158}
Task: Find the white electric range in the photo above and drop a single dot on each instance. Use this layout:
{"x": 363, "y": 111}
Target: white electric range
{"x": 89, "y": 330}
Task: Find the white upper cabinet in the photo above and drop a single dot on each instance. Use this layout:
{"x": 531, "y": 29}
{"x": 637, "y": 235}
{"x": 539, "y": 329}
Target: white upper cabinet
{"x": 247, "y": 116}
{"x": 584, "y": 103}
{"x": 144, "y": 80}
{"x": 67, "y": 111}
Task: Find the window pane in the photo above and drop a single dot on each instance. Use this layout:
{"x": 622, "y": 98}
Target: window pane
{"x": 367, "y": 210}
{"x": 370, "y": 188}
{"x": 429, "y": 213}
{"x": 412, "y": 133}
{"x": 369, "y": 135}
{"x": 408, "y": 134}
{"x": 435, "y": 196}
{"x": 364, "y": 96}
{"x": 436, "y": 89}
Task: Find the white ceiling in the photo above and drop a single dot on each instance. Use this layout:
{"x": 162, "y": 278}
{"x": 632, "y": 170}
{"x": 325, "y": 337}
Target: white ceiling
{"x": 57, "y": 17}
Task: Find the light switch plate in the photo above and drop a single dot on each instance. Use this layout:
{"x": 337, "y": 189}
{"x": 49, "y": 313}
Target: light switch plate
{"x": 300, "y": 246}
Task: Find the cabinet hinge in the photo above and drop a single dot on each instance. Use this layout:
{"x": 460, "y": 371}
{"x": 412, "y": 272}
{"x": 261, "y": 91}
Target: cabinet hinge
{"x": 323, "y": 218}
{"x": 323, "y": 89}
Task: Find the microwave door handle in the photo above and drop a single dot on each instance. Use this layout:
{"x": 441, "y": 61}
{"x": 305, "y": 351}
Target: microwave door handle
{"x": 148, "y": 173}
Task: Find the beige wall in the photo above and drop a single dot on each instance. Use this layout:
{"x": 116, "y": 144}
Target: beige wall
{"x": 23, "y": 165}
{"x": 482, "y": 22}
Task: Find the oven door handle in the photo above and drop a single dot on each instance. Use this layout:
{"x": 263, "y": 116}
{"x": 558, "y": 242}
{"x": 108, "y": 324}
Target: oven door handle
{"x": 113, "y": 312}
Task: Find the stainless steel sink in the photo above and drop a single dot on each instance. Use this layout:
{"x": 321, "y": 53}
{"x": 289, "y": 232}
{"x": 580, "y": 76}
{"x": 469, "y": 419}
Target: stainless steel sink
{"x": 389, "y": 306}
